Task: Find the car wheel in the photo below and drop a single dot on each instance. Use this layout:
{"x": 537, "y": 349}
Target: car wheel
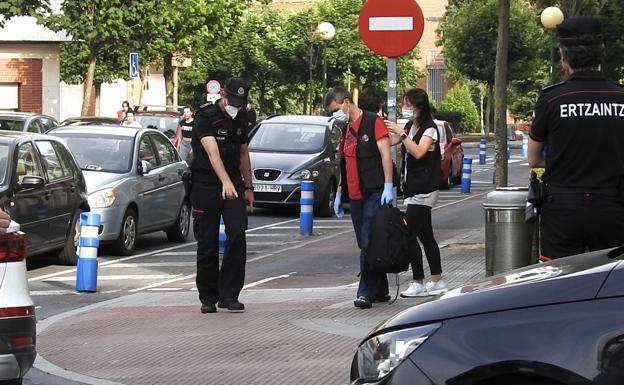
{"x": 457, "y": 179}
{"x": 180, "y": 230}
{"x": 326, "y": 207}
{"x": 126, "y": 242}
{"x": 69, "y": 255}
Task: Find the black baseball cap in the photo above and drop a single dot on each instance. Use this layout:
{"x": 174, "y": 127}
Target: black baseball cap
{"x": 236, "y": 90}
{"x": 580, "y": 30}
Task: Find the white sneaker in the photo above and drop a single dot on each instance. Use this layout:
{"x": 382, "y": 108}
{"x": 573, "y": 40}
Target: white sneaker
{"x": 436, "y": 288}
{"x": 415, "y": 289}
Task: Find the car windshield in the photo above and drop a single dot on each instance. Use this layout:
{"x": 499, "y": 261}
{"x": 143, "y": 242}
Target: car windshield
{"x": 105, "y": 153}
{"x": 4, "y": 160}
{"x": 165, "y": 124}
{"x": 10, "y": 124}
{"x": 288, "y": 137}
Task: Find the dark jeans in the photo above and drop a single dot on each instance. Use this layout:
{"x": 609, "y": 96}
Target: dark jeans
{"x": 419, "y": 222}
{"x": 575, "y": 223}
{"x": 208, "y": 206}
{"x": 372, "y": 284}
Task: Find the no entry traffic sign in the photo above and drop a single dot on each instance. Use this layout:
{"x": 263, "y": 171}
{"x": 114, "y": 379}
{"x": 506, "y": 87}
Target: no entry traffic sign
{"x": 213, "y": 87}
{"x": 391, "y": 28}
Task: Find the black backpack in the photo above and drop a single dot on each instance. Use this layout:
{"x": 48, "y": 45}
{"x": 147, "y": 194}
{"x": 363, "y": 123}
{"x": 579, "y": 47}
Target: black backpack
{"x": 388, "y": 247}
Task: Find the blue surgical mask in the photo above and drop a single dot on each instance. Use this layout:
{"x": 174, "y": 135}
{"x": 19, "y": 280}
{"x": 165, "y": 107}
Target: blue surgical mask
{"x": 340, "y": 116}
{"x": 407, "y": 112}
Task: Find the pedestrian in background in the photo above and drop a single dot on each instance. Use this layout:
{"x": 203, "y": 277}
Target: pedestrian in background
{"x": 581, "y": 122}
{"x": 367, "y": 179}
{"x": 221, "y": 172}
{"x": 182, "y": 140}
{"x": 419, "y": 139}
{"x": 125, "y": 107}
{"x": 130, "y": 121}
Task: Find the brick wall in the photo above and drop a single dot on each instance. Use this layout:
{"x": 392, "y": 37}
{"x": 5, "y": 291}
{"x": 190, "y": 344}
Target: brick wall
{"x": 27, "y": 73}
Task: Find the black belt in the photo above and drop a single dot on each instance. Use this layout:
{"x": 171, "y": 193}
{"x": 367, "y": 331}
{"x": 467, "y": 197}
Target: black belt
{"x": 608, "y": 191}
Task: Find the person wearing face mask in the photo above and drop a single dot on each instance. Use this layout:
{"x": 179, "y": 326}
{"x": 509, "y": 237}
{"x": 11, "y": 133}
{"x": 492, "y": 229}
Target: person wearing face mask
{"x": 221, "y": 186}
{"x": 421, "y": 157}
{"x": 367, "y": 179}
{"x": 581, "y": 120}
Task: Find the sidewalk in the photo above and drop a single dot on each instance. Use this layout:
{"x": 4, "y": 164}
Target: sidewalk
{"x": 286, "y": 336}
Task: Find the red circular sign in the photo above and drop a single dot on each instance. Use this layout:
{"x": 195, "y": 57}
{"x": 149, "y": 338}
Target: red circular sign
{"x": 391, "y": 31}
{"x": 213, "y": 87}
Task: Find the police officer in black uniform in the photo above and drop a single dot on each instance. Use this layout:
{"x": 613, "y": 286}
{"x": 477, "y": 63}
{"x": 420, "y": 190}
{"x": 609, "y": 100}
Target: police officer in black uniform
{"x": 581, "y": 124}
{"x": 221, "y": 187}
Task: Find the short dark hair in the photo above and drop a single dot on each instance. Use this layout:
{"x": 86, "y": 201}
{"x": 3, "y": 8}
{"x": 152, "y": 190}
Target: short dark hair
{"x": 419, "y": 98}
{"x": 583, "y": 57}
{"x": 337, "y": 94}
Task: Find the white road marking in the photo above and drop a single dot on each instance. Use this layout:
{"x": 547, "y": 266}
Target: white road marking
{"x": 162, "y": 283}
{"x": 116, "y": 277}
{"x": 154, "y": 264}
{"x": 35, "y": 293}
{"x": 316, "y": 227}
{"x": 165, "y": 289}
{"x": 260, "y": 282}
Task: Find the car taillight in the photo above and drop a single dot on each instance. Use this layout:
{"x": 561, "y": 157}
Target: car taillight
{"x": 18, "y": 311}
{"x": 12, "y": 246}
{"x": 21, "y": 341}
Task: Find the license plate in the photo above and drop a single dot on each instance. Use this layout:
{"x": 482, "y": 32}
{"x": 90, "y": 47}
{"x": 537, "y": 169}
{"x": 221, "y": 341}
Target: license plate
{"x": 274, "y": 188}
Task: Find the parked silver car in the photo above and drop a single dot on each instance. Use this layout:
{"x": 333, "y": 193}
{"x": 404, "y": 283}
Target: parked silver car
{"x": 134, "y": 180}
{"x": 287, "y": 149}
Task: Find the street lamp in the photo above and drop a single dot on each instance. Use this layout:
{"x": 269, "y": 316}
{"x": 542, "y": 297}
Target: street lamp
{"x": 551, "y": 17}
{"x": 325, "y": 31}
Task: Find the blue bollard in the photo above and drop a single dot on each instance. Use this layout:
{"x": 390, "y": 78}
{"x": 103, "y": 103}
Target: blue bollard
{"x": 525, "y": 145}
{"x": 466, "y": 175}
{"x": 306, "y": 217}
{"x": 482, "y": 150}
{"x": 86, "y": 270}
{"x": 221, "y": 236}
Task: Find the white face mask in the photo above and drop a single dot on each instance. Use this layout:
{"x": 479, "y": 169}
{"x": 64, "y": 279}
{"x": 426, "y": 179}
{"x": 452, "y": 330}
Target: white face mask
{"x": 341, "y": 116}
{"x": 232, "y": 111}
{"x": 407, "y": 112}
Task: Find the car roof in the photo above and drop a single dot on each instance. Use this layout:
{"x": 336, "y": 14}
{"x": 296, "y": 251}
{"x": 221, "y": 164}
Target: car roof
{"x": 100, "y": 130}
{"x": 89, "y": 118}
{"x": 11, "y": 136}
{"x": 306, "y": 119}
{"x": 157, "y": 113}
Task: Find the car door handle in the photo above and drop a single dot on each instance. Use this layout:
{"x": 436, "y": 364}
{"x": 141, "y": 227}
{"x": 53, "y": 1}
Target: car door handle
{"x": 180, "y": 171}
{"x": 161, "y": 178}
{"x": 47, "y": 195}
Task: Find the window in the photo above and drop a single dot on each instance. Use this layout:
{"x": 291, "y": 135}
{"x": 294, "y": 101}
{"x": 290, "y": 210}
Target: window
{"x": 55, "y": 168}
{"x": 48, "y": 124}
{"x": 10, "y": 96}
{"x": 146, "y": 151}
{"x": 164, "y": 149}
{"x": 27, "y": 162}
{"x": 336, "y": 133}
{"x": 35, "y": 126}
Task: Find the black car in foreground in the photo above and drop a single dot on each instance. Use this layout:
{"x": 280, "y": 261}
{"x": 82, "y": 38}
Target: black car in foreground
{"x": 556, "y": 323}
{"x": 43, "y": 190}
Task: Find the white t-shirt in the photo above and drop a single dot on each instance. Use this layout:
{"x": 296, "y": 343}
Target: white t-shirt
{"x": 431, "y": 198}
{"x": 133, "y": 124}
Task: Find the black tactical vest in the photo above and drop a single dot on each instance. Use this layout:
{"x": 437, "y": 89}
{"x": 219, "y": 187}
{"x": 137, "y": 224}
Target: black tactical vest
{"x": 424, "y": 174}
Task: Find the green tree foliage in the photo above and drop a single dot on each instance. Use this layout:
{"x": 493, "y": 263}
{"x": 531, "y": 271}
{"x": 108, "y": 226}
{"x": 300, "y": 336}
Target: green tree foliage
{"x": 459, "y": 100}
{"x": 468, "y": 35}
{"x": 12, "y": 8}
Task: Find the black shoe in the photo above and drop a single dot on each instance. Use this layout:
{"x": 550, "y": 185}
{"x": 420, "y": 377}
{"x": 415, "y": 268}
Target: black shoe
{"x": 208, "y": 307}
{"x": 231, "y": 305}
{"x": 362, "y": 303}
{"x": 383, "y": 298}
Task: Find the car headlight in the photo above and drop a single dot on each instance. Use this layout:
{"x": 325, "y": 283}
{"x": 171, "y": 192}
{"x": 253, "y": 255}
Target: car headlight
{"x": 302, "y": 174}
{"x": 381, "y": 354}
{"x": 103, "y": 198}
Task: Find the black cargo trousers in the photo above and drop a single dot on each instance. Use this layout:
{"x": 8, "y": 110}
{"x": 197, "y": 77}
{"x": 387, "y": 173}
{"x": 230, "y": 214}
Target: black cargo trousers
{"x": 208, "y": 206}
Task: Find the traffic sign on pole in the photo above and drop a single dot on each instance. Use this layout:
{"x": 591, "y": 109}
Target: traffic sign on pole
{"x": 213, "y": 87}
{"x": 133, "y": 70}
{"x": 391, "y": 31}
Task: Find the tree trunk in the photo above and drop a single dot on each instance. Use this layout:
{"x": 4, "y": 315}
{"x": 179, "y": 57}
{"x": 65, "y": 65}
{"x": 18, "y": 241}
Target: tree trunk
{"x": 98, "y": 92}
{"x": 168, "y": 74}
{"x": 88, "y": 84}
{"x": 500, "y": 92}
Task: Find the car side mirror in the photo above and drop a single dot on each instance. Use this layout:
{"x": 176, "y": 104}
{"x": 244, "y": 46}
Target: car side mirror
{"x": 144, "y": 167}
{"x": 456, "y": 141}
{"x": 32, "y": 182}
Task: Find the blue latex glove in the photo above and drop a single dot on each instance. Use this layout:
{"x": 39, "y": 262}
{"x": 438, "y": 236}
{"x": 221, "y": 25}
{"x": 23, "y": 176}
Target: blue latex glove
{"x": 338, "y": 205}
{"x": 387, "y": 196}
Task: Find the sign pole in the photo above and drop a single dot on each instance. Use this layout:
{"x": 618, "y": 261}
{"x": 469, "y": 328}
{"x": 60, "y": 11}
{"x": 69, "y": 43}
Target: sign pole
{"x": 391, "y": 107}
